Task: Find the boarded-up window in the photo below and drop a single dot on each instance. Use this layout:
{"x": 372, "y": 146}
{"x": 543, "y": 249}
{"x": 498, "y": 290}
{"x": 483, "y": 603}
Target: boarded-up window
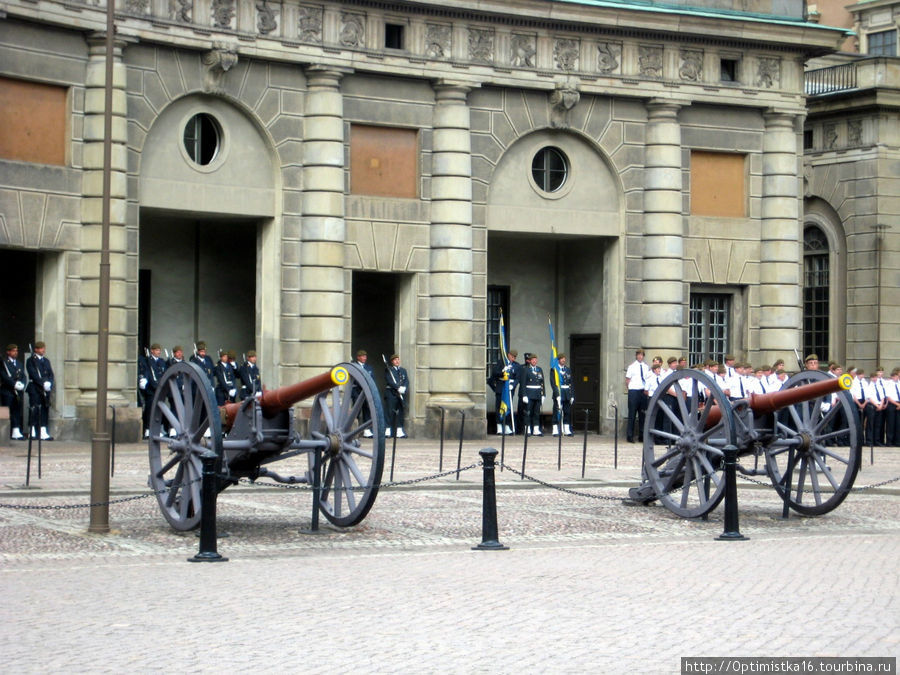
{"x": 717, "y": 185}
{"x": 32, "y": 122}
{"x": 383, "y": 161}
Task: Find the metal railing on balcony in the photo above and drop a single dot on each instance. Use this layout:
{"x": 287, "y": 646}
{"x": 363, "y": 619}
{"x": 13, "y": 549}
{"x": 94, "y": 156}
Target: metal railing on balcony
{"x": 831, "y": 79}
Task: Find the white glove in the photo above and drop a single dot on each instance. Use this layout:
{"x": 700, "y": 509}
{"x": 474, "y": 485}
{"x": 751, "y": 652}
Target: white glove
{"x": 524, "y": 399}
{"x": 402, "y": 390}
{"x": 542, "y": 400}
{"x": 572, "y": 400}
{"x": 19, "y": 385}
{"x": 258, "y": 395}
{"x": 48, "y": 385}
{"x": 559, "y": 402}
{"x": 142, "y": 383}
{"x": 231, "y": 393}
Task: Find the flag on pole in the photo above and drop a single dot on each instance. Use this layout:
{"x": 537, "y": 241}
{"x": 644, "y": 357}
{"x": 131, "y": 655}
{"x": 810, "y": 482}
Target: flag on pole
{"x": 554, "y": 366}
{"x": 505, "y": 395}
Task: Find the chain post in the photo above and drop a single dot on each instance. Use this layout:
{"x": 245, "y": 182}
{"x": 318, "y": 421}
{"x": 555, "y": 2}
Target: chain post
{"x": 207, "y": 552}
{"x": 462, "y": 430}
{"x": 112, "y": 443}
{"x": 524, "y": 450}
{"x": 489, "y": 531}
{"x": 587, "y": 415}
{"x": 441, "y": 453}
{"x": 731, "y": 532}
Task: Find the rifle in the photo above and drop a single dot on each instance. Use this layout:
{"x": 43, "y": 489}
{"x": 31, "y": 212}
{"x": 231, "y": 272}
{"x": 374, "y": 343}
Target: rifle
{"x": 800, "y": 363}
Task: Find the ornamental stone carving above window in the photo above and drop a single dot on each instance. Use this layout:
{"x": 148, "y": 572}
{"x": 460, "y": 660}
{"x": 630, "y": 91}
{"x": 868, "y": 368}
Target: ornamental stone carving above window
{"x": 608, "y": 57}
{"x": 769, "y": 72}
{"x": 309, "y": 24}
{"x": 353, "y": 30}
{"x": 522, "y": 50}
{"x": 266, "y": 21}
{"x": 565, "y": 53}
{"x": 437, "y": 41}
{"x": 222, "y": 13}
{"x": 650, "y": 60}
{"x": 181, "y": 10}
{"x": 691, "y": 69}
{"x": 481, "y": 45}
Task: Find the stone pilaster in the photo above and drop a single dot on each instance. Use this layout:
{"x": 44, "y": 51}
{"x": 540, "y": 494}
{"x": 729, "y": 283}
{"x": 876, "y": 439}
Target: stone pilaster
{"x": 84, "y": 299}
{"x": 450, "y": 281}
{"x": 323, "y": 229}
{"x": 780, "y": 311}
{"x": 662, "y": 311}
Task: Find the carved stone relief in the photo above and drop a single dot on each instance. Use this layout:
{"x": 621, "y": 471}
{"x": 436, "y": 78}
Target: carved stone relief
{"x": 353, "y": 30}
{"x": 222, "y": 13}
{"x": 522, "y": 50}
{"x": 650, "y": 60}
{"x": 831, "y": 136}
{"x": 218, "y": 61}
{"x": 854, "y": 132}
{"x": 608, "y": 57}
{"x": 691, "y": 69}
{"x": 266, "y": 20}
{"x": 562, "y": 100}
{"x": 481, "y": 45}
{"x": 309, "y": 24}
{"x": 141, "y": 7}
{"x": 769, "y": 72}
{"x": 437, "y": 41}
{"x": 565, "y": 54}
{"x": 181, "y": 10}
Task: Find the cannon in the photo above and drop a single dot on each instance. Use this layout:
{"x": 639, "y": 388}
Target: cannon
{"x": 248, "y": 436}
{"x": 810, "y": 444}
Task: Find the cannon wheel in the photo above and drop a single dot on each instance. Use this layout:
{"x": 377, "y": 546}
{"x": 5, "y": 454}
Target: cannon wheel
{"x": 826, "y": 461}
{"x": 185, "y": 402}
{"x": 683, "y": 461}
{"x": 352, "y": 463}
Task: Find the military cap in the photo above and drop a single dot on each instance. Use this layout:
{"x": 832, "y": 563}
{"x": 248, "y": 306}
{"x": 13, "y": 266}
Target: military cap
{"x": 527, "y": 356}
{"x": 672, "y": 359}
{"x": 513, "y": 353}
{"x": 39, "y": 345}
{"x": 394, "y": 356}
{"x": 251, "y": 353}
{"x": 201, "y": 345}
{"x": 11, "y": 346}
{"x": 729, "y": 357}
{"x": 232, "y": 355}
{"x": 811, "y": 357}
{"x": 177, "y": 348}
{"x": 895, "y": 371}
{"x": 779, "y": 362}
{"x": 362, "y": 352}
{"x": 155, "y": 345}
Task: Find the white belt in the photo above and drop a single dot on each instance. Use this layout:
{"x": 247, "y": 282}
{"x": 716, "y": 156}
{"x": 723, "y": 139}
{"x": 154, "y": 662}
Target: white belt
{"x": 532, "y": 386}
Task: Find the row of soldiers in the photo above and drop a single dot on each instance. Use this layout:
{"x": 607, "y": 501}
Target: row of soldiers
{"x": 35, "y": 379}
{"x": 526, "y": 386}
{"x": 230, "y": 382}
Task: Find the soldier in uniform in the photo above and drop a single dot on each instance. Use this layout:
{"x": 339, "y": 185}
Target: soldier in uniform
{"x": 505, "y": 375}
{"x": 150, "y": 370}
{"x": 249, "y": 374}
{"x": 563, "y": 398}
{"x": 40, "y": 386}
{"x": 226, "y": 389}
{"x": 202, "y": 359}
{"x": 532, "y": 388}
{"x": 396, "y": 383}
{"x": 362, "y": 358}
{"x": 12, "y": 384}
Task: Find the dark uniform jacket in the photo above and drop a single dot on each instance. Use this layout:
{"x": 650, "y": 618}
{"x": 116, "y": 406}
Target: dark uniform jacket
{"x": 39, "y": 372}
{"x": 10, "y": 373}
{"x": 564, "y": 392}
{"x": 224, "y": 382}
{"x": 206, "y": 365}
{"x": 250, "y": 381}
{"x": 152, "y": 368}
{"x": 394, "y": 378}
{"x": 532, "y": 382}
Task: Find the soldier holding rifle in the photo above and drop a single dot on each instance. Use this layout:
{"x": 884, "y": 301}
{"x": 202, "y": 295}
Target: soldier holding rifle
{"x": 12, "y": 384}
{"x": 40, "y": 386}
{"x": 396, "y": 385}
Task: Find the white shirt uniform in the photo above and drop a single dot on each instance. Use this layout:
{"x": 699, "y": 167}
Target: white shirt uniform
{"x": 637, "y": 374}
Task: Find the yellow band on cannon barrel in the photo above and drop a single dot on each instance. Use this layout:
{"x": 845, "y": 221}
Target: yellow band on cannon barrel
{"x": 339, "y": 375}
{"x": 846, "y": 381}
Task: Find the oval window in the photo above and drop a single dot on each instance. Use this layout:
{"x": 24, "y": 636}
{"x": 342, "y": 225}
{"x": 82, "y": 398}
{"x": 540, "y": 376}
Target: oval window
{"x": 549, "y": 169}
{"x": 202, "y": 137}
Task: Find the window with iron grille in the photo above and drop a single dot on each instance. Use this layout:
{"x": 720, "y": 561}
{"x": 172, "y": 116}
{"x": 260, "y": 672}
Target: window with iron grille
{"x": 497, "y": 300}
{"x": 816, "y": 284}
{"x": 883, "y": 43}
{"x": 709, "y": 327}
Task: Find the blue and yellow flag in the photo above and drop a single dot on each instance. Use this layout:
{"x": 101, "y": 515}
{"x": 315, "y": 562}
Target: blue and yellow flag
{"x": 554, "y": 362}
{"x": 505, "y": 396}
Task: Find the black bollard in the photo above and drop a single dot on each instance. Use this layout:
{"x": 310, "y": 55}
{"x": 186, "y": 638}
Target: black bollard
{"x": 559, "y": 443}
{"x": 587, "y": 414}
{"x": 317, "y": 493}
{"x": 207, "y": 552}
{"x": 28, "y": 462}
{"x": 788, "y": 481}
{"x": 731, "y": 532}
{"x": 615, "y": 437}
{"x": 393, "y": 441}
{"x": 489, "y": 539}
{"x": 441, "y": 456}
{"x": 502, "y": 447}
{"x": 462, "y": 429}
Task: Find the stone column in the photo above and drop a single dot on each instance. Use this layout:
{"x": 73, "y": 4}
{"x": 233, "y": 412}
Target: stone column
{"x": 451, "y": 308}
{"x": 84, "y": 296}
{"x": 321, "y": 326}
{"x": 662, "y": 311}
{"x": 780, "y": 311}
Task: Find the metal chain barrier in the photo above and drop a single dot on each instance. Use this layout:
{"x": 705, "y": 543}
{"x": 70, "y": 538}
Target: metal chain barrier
{"x": 382, "y": 486}
{"x": 558, "y": 487}
{"x": 61, "y": 507}
{"x": 861, "y": 488}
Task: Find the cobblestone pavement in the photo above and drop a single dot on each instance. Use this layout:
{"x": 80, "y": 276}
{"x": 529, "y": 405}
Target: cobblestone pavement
{"x": 588, "y": 583}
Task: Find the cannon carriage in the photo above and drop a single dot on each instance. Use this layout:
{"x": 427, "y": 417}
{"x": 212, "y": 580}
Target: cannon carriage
{"x": 807, "y": 436}
{"x": 250, "y": 435}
